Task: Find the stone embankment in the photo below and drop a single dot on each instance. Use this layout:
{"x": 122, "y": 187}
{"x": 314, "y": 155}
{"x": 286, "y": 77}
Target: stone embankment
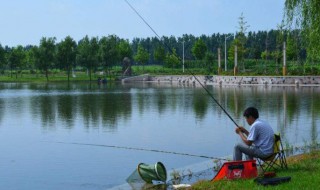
{"x": 231, "y": 80}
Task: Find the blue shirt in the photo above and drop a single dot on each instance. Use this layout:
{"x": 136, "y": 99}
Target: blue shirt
{"x": 262, "y": 136}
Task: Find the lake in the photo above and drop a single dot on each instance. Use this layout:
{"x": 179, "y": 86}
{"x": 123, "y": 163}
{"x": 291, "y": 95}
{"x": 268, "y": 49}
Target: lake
{"x": 88, "y": 136}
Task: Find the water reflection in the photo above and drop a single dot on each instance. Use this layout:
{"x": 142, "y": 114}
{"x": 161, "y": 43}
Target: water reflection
{"x": 104, "y": 107}
{"x": 151, "y": 116}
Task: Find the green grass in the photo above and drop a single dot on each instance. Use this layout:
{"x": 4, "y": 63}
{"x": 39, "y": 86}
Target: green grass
{"x": 253, "y": 68}
{"x": 303, "y": 170}
{"x": 53, "y": 77}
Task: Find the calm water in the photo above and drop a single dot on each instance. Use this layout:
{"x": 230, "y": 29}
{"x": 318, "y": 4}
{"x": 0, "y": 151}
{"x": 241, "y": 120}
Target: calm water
{"x": 48, "y": 132}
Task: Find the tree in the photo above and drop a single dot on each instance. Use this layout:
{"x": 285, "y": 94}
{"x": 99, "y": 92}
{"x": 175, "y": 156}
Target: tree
{"x": 199, "y": 49}
{"x": 159, "y": 54}
{"x": 276, "y": 55}
{"x": 305, "y": 14}
{"x": 108, "y": 51}
{"x": 172, "y": 59}
{"x": 2, "y": 56}
{"x": 240, "y": 51}
{"x": 142, "y": 56}
{"x": 45, "y": 55}
{"x": 16, "y": 59}
{"x": 241, "y": 39}
{"x": 30, "y": 58}
{"x": 88, "y": 54}
{"x": 292, "y": 49}
{"x": 209, "y": 57}
{"x": 188, "y": 40}
{"x": 124, "y": 49}
{"x": 66, "y": 54}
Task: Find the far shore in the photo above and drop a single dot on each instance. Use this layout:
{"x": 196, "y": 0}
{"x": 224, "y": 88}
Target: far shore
{"x": 229, "y": 80}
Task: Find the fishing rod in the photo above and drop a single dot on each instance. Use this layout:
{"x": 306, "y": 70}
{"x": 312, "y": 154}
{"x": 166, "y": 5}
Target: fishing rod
{"x": 142, "y": 149}
{"x": 190, "y": 72}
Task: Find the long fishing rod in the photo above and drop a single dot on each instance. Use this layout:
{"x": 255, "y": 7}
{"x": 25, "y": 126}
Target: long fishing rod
{"x": 190, "y": 72}
{"x": 143, "y": 149}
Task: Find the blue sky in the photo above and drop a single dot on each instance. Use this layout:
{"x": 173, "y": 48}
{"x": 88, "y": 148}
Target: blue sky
{"x": 24, "y": 22}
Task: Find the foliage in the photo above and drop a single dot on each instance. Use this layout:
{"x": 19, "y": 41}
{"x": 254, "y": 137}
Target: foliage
{"x": 45, "y": 55}
{"x": 171, "y": 59}
{"x": 88, "y": 54}
{"x": 240, "y": 51}
{"x": 66, "y": 54}
{"x": 159, "y": 54}
{"x": 200, "y": 53}
{"x": 209, "y": 61}
{"x": 142, "y": 56}
{"x": 109, "y": 51}
{"x": 305, "y": 15}
{"x": 199, "y": 49}
{"x": 2, "y": 56}
{"x": 124, "y": 49}
{"x": 292, "y": 48}
{"x": 16, "y": 59}
{"x": 241, "y": 38}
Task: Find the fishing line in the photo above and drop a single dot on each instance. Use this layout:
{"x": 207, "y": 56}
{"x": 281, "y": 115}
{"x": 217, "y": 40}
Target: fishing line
{"x": 143, "y": 149}
{"x": 190, "y": 72}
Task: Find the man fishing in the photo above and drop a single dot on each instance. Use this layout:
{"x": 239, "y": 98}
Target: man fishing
{"x": 258, "y": 142}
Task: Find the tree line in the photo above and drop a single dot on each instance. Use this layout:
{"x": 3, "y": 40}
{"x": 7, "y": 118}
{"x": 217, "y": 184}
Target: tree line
{"x": 262, "y": 49}
{"x": 93, "y": 53}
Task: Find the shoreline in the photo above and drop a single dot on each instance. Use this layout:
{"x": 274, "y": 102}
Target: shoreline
{"x": 229, "y": 80}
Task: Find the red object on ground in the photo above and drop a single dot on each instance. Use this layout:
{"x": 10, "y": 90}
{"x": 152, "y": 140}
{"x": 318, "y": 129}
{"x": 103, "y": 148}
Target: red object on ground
{"x": 269, "y": 174}
{"x": 237, "y": 170}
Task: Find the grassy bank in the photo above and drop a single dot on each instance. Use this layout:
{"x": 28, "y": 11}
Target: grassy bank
{"x": 303, "y": 170}
{"x": 53, "y": 77}
{"x": 80, "y": 74}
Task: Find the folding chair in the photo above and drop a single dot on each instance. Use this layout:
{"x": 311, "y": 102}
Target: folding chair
{"x": 277, "y": 159}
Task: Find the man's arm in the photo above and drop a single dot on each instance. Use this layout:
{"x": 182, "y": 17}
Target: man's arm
{"x": 244, "y": 139}
{"x": 243, "y": 133}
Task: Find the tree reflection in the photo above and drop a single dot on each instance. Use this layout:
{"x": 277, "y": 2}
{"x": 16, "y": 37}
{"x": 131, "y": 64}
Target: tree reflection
{"x": 45, "y": 107}
{"x": 200, "y": 104}
{"x": 66, "y": 109}
{"x": 106, "y": 107}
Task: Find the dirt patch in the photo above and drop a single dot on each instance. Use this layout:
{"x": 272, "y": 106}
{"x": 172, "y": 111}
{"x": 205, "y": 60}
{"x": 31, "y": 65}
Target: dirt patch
{"x": 299, "y": 157}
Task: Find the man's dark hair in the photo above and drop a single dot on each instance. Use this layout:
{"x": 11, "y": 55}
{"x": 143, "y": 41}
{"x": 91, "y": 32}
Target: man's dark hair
{"x": 251, "y": 111}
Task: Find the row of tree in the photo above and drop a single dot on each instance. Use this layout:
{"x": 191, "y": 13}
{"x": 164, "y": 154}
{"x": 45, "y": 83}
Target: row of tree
{"x": 92, "y": 53}
{"x": 106, "y": 52}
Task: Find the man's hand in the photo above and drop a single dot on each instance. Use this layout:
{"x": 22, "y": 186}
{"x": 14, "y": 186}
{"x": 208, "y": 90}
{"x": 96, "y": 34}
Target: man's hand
{"x": 240, "y": 129}
{"x": 243, "y": 133}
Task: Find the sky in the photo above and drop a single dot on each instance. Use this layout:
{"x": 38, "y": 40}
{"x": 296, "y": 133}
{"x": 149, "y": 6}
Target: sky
{"x": 25, "y": 22}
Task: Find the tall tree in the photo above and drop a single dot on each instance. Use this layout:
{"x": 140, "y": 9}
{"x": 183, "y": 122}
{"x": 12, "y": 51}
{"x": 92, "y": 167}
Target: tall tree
{"x": 209, "y": 57}
{"x": 240, "y": 51}
{"x": 199, "y": 50}
{"x": 108, "y": 50}
{"x": 159, "y": 54}
{"x": 30, "y": 58}
{"x": 142, "y": 56}
{"x": 2, "y": 57}
{"x": 88, "y": 54}
{"x": 305, "y": 14}
{"x": 124, "y": 49}
{"x": 292, "y": 48}
{"x": 16, "y": 59}
{"x": 66, "y": 54}
{"x": 241, "y": 39}
{"x": 45, "y": 55}
{"x": 172, "y": 59}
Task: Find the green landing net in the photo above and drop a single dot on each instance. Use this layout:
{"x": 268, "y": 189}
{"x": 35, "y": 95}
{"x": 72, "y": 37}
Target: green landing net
{"x": 148, "y": 173}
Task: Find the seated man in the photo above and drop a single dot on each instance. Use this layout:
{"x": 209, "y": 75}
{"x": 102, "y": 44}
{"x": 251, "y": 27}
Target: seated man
{"x": 258, "y": 142}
